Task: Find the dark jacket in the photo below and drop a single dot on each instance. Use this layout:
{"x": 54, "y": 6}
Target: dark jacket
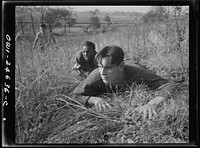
{"x": 93, "y": 85}
{"x": 81, "y": 64}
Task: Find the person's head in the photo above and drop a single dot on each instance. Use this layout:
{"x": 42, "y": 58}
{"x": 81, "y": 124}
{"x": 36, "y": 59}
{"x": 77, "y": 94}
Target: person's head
{"x": 89, "y": 51}
{"x": 42, "y": 27}
{"x": 111, "y": 64}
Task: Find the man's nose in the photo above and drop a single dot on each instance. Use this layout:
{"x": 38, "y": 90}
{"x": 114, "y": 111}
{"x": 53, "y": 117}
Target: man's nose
{"x": 87, "y": 53}
{"x": 103, "y": 71}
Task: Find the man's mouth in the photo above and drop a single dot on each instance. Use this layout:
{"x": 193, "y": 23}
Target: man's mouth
{"x": 105, "y": 78}
{"x": 86, "y": 58}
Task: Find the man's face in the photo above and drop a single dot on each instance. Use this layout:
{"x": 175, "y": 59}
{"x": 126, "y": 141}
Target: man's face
{"x": 42, "y": 29}
{"x": 88, "y": 53}
{"x": 109, "y": 72}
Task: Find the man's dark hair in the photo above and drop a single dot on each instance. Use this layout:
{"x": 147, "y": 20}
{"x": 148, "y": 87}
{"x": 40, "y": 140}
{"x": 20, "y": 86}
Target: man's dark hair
{"x": 43, "y": 26}
{"x": 90, "y": 44}
{"x": 115, "y": 52}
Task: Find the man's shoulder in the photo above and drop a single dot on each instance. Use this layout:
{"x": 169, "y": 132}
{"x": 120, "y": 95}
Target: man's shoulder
{"x": 139, "y": 74}
{"x": 135, "y": 71}
{"x": 39, "y": 34}
{"x": 89, "y": 85}
{"x": 132, "y": 67}
{"x": 93, "y": 77}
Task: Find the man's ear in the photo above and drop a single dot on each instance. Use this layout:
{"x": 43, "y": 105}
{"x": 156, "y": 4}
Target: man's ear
{"x": 121, "y": 65}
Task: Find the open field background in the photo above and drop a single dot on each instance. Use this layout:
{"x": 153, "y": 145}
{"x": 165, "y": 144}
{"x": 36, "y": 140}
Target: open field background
{"x": 45, "y": 114}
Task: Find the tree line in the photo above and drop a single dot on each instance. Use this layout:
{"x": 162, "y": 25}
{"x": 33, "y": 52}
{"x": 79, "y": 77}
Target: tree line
{"x": 67, "y": 17}
{"x": 55, "y": 17}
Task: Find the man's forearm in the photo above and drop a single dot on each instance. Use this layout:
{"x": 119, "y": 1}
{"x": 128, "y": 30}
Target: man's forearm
{"x": 82, "y": 99}
{"x": 35, "y": 42}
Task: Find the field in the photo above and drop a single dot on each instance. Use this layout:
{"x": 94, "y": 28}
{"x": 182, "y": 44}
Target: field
{"x": 45, "y": 114}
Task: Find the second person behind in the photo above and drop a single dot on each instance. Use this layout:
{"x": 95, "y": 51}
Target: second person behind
{"x": 84, "y": 61}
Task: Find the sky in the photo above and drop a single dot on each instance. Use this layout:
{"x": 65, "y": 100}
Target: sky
{"x": 142, "y": 9}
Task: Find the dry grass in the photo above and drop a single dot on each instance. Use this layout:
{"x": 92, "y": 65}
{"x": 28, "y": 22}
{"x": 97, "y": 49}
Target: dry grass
{"x": 45, "y": 113}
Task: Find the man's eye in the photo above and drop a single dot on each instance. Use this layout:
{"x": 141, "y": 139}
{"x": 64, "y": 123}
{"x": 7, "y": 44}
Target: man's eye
{"x": 108, "y": 68}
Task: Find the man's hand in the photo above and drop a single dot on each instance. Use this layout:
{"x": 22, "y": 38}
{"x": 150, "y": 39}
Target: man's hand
{"x": 82, "y": 73}
{"x": 149, "y": 110}
{"x": 99, "y": 103}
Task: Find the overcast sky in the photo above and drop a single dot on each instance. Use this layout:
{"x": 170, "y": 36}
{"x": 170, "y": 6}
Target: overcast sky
{"x": 142, "y": 9}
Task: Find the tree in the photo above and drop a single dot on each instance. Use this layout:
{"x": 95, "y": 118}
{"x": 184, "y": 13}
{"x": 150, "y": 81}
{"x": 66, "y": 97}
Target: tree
{"x": 57, "y": 24}
{"x": 51, "y": 16}
{"x": 94, "y": 19}
{"x": 108, "y": 20}
{"x": 68, "y": 16}
{"x": 70, "y": 19}
{"x": 64, "y": 14}
{"x": 30, "y": 9}
{"x": 149, "y": 17}
{"x": 41, "y": 10}
{"x": 70, "y": 22}
{"x": 95, "y": 12}
{"x": 161, "y": 13}
{"x": 21, "y": 16}
{"x": 156, "y": 14}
